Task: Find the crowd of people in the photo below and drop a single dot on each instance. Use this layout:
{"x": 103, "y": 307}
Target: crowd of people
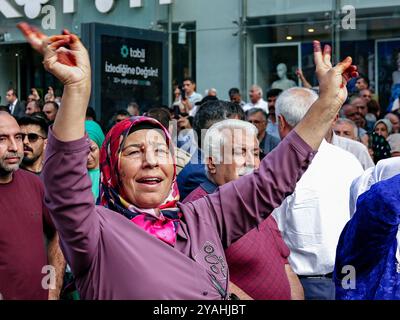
{"x": 204, "y": 199}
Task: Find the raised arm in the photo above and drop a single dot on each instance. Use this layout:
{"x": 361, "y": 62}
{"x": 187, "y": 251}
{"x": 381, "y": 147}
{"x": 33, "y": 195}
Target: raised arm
{"x": 303, "y": 79}
{"x": 238, "y": 206}
{"x": 67, "y": 185}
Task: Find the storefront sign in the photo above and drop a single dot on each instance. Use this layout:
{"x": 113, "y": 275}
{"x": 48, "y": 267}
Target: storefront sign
{"x": 132, "y": 69}
{"x": 33, "y": 8}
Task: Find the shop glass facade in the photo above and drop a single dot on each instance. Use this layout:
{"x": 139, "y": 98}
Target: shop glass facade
{"x": 230, "y": 43}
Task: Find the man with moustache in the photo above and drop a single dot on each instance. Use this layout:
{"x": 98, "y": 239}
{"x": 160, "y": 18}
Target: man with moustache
{"x": 27, "y": 271}
{"x": 272, "y": 125}
{"x": 34, "y": 129}
{"x": 257, "y": 262}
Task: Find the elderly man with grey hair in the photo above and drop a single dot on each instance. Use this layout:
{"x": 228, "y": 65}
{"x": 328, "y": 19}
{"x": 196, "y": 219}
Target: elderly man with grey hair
{"x": 212, "y": 92}
{"x": 256, "y": 99}
{"x": 312, "y": 218}
{"x": 345, "y": 128}
{"x": 344, "y": 135}
{"x": 258, "y": 261}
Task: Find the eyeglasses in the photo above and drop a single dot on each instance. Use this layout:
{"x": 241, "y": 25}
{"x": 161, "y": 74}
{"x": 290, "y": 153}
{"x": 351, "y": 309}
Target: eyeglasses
{"x": 32, "y": 137}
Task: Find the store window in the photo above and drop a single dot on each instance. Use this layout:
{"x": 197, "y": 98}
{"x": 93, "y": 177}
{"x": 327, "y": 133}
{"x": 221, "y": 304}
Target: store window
{"x": 286, "y": 41}
{"x": 24, "y": 70}
{"x": 183, "y": 52}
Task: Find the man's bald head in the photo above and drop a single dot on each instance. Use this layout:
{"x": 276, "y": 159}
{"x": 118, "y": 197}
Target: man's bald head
{"x": 11, "y": 146}
{"x": 5, "y": 117}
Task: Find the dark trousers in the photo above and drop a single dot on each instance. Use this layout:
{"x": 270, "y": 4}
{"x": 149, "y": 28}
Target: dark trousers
{"x": 318, "y": 288}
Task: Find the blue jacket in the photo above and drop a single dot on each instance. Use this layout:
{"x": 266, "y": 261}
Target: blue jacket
{"x": 192, "y": 175}
{"x": 368, "y": 243}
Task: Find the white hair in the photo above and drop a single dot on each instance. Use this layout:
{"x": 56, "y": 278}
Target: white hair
{"x": 257, "y": 88}
{"x": 350, "y": 122}
{"x": 216, "y": 136}
{"x": 293, "y": 104}
{"x": 211, "y": 90}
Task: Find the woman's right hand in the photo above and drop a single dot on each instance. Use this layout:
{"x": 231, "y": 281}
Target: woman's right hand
{"x": 64, "y": 55}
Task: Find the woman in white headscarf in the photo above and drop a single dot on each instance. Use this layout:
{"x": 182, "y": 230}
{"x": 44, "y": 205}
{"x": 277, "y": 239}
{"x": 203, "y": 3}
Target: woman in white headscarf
{"x": 370, "y": 241}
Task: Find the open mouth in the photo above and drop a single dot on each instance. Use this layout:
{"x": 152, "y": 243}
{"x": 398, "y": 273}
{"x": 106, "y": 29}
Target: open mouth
{"x": 149, "y": 180}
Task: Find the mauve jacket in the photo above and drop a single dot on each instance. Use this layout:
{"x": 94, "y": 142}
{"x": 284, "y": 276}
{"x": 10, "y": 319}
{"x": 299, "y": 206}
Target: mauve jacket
{"x": 112, "y": 258}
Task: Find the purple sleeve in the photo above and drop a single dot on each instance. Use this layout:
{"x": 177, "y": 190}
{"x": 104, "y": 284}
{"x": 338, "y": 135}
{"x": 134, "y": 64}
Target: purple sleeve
{"x": 69, "y": 199}
{"x": 239, "y": 206}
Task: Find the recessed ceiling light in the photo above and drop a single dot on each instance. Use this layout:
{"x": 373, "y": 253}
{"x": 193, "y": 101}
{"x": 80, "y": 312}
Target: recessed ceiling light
{"x": 289, "y": 38}
{"x": 311, "y": 30}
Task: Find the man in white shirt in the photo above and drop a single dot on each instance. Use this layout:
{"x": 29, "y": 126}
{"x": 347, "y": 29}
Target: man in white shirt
{"x": 191, "y": 96}
{"x": 312, "y": 218}
{"x": 344, "y": 135}
{"x": 256, "y": 99}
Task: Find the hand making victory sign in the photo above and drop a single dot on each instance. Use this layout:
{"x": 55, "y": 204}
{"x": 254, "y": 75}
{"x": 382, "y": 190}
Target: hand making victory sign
{"x": 332, "y": 95}
{"x": 333, "y": 80}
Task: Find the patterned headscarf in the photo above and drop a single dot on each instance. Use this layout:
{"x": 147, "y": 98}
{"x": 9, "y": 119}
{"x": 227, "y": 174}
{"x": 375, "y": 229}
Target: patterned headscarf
{"x": 380, "y": 147}
{"x": 164, "y": 226}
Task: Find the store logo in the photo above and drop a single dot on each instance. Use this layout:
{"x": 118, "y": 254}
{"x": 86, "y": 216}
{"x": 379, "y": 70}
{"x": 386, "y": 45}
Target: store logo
{"x": 133, "y": 53}
{"x": 124, "y": 51}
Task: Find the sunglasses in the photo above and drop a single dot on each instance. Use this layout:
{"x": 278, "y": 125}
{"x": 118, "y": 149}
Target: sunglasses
{"x": 32, "y": 137}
